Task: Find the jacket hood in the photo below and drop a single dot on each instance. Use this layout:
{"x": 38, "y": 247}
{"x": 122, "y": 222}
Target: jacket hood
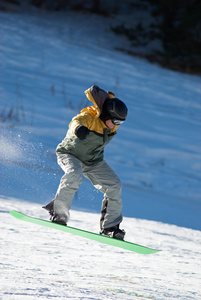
{"x": 98, "y": 96}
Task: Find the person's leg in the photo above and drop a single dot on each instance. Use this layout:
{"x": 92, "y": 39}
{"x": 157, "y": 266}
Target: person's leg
{"x": 103, "y": 212}
{"x": 104, "y": 179}
{"x": 69, "y": 184}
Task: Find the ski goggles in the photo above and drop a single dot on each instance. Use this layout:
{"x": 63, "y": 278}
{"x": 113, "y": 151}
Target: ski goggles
{"x": 117, "y": 121}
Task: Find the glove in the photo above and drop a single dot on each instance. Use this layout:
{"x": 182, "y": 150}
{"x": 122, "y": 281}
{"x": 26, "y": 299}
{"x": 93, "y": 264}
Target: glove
{"x": 81, "y": 132}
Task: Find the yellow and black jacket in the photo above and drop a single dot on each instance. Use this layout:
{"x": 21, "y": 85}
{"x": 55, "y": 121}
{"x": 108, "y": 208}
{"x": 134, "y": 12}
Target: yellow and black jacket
{"x": 91, "y": 149}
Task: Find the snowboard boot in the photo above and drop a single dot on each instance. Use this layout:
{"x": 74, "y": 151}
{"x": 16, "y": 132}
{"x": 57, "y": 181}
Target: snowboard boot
{"x": 114, "y": 232}
{"x": 59, "y": 219}
{"x": 50, "y": 208}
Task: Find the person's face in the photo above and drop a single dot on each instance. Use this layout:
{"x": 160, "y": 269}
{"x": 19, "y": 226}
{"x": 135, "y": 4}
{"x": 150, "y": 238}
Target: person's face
{"x": 109, "y": 124}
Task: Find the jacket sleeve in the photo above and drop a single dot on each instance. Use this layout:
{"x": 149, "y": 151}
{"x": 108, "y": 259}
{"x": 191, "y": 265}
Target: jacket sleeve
{"x": 82, "y": 119}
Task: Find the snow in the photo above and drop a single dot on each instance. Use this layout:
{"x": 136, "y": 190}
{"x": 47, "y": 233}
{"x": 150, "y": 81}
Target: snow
{"x": 39, "y": 262}
{"x": 47, "y": 61}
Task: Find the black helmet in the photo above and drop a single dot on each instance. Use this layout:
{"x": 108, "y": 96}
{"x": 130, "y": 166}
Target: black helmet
{"x": 115, "y": 110}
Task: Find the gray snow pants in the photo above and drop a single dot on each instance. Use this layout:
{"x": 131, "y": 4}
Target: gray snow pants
{"x": 101, "y": 176}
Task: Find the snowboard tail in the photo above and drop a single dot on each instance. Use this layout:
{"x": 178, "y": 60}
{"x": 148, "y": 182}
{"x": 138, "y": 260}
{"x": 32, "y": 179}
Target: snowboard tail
{"x": 86, "y": 234}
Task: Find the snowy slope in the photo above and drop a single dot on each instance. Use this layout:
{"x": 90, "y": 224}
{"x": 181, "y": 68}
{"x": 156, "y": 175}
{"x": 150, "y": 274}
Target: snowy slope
{"x": 47, "y": 61}
{"x": 40, "y": 263}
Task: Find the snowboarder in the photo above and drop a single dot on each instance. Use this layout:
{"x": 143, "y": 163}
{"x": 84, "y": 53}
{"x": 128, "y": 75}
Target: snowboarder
{"x": 82, "y": 153}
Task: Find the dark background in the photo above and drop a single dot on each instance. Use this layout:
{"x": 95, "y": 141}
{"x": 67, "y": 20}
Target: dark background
{"x": 175, "y": 23}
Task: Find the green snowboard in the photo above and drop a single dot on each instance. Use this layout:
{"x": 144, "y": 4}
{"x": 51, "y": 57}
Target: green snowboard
{"x": 86, "y": 234}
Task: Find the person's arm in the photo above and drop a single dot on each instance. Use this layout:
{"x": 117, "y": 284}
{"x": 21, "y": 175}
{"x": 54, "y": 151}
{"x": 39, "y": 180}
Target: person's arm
{"x": 80, "y": 125}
